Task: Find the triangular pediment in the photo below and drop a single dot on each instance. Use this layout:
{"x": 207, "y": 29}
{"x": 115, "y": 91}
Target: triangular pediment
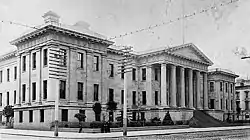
{"x": 190, "y": 51}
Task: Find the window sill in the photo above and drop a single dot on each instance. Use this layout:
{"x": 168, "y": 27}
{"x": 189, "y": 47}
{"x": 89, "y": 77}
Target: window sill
{"x": 44, "y": 66}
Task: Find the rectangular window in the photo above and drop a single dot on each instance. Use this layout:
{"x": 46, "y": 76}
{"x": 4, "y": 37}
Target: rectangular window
{"x": 1, "y": 76}
{"x": 211, "y": 87}
{"x": 1, "y": 99}
{"x": 80, "y": 59}
{"x": 24, "y": 63}
{"x": 42, "y": 115}
{"x": 15, "y": 73}
{"x": 246, "y": 105}
{"x": 122, "y": 96}
{"x": 226, "y": 87}
{"x": 144, "y": 98}
{"x": 122, "y": 72}
{"x": 80, "y": 91}
{"x": 144, "y": 74}
{"x": 34, "y": 91}
{"x": 24, "y": 92}
{"x": 45, "y": 57}
{"x": 133, "y": 74}
{"x": 8, "y": 98}
{"x": 62, "y": 89}
{"x": 156, "y": 97}
{"x": 134, "y": 97}
{"x": 226, "y": 105}
{"x": 221, "y": 104}
{"x": 30, "y": 115}
{"x": 20, "y": 116}
{"x": 65, "y": 115}
{"x": 231, "y": 104}
{"x": 14, "y": 96}
{"x": 111, "y": 94}
{"x": 221, "y": 86}
{"x": 246, "y": 92}
{"x": 96, "y": 92}
{"x": 111, "y": 68}
{"x": 156, "y": 74}
{"x": 96, "y": 63}
{"x": 211, "y": 103}
{"x": 63, "y": 57}
{"x": 34, "y": 60}
{"x": 8, "y": 75}
{"x": 45, "y": 91}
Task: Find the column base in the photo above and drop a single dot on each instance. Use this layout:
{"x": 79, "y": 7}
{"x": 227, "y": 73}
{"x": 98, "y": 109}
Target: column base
{"x": 205, "y": 108}
{"x": 173, "y": 106}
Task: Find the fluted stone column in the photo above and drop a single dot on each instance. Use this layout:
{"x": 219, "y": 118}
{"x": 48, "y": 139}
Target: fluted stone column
{"x": 190, "y": 89}
{"x": 229, "y": 97}
{"x": 234, "y": 99}
{"x": 173, "y": 86}
{"x": 205, "y": 98}
{"x": 19, "y": 91}
{"x": 149, "y": 85}
{"x": 182, "y": 76}
{"x": 198, "y": 90}
{"x": 163, "y": 85}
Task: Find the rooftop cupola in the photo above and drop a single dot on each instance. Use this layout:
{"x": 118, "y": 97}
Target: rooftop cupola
{"x": 51, "y": 18}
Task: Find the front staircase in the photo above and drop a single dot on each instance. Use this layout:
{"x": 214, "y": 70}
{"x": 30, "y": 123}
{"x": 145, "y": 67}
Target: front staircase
{"x": 201, "y": 119}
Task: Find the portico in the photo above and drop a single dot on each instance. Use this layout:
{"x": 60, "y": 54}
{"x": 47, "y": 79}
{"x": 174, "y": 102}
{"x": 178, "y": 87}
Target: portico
{"x": 183, "y": 77}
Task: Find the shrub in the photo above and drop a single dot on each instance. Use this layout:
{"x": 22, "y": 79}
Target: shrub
{"x": 167, "y": 120}
{"x": 135, "y": 124}
{"x": 96, "y": 124}
{"x": 179, "y": 123}
{"x": 81, "y": 117}
{"x": 71, "y": 124}
{"x": 8, "y": 112}
{"x": 115, "y": 125}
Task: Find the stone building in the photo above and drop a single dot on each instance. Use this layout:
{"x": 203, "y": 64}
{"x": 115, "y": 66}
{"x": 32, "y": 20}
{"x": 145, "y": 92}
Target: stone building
{"x": 8, "y": 80}
{"x": 221, "y": 91}
{"x": 243, "y": 96}
{"x": 80, "y": 67}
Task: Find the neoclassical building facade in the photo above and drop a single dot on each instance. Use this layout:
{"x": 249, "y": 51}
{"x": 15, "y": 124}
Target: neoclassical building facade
{"x": 221, "y": 93}
{"x": 80, "y": 67}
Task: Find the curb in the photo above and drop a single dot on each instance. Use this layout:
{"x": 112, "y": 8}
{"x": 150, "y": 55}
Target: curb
{"x": 133, "y": 133}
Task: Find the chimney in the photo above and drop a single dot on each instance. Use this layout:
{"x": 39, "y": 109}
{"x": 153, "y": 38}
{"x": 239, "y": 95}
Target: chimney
{"x": 51, "y": 18}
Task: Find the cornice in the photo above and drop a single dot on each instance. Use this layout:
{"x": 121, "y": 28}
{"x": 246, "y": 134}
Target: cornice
{"x": 59, "y": 30}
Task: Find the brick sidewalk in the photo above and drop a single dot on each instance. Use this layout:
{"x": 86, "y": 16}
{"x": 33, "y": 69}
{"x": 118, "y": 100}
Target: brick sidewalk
{"x": 71, "y": 135}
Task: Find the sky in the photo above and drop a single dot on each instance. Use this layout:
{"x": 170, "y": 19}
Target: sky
{"x": 217, "y": 33}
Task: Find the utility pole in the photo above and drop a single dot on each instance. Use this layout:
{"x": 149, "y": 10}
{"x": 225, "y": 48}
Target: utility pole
{"x": 183, "y": 21}
{"x": 124, "y": 69}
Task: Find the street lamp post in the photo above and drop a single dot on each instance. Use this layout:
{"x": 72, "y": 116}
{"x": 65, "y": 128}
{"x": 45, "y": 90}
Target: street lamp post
{"x": 125, "y": 105}
{"x": 56, "y": 107}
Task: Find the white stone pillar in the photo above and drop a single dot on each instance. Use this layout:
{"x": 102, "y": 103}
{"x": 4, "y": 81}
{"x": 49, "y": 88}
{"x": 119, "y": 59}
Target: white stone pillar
{"x": 182, "y": 77}
{"x": 163, "y": 85}
{"x": 190, "y": 89}
{"x": 234, "y": 98}
{"x": 149, "y": 85}
{"x": 19, "y": 84}
{"x": 198, "y": 87}
{"x": 229, "y": 97}
{"x": 173, "y": 86}
{"x": 40, "y": 66}
{"x": 205, "y": 97}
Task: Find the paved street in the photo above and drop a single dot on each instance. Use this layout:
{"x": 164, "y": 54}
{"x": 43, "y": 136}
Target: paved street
{"x": 215, "y": 135}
